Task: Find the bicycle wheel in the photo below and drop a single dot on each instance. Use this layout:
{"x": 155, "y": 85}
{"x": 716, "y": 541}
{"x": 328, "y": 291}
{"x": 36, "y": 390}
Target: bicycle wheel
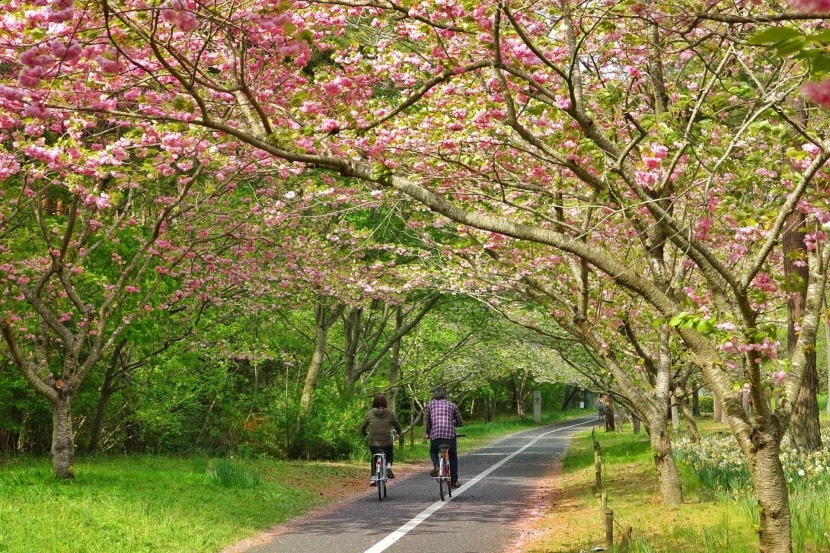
{"x": 384, "y": 488}
{"x": 379, "y": 479}
{"x": 441, "y": 478}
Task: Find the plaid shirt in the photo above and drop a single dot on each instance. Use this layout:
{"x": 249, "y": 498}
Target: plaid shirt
{"x": 442, "y": 417}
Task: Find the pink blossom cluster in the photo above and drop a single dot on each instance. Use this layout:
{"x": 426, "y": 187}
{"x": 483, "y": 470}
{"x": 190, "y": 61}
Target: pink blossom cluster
{"x": 8, "y": 165}
{"x": 764, "y": 283}
{"x": 766, "y": 348}
{"x": 180, "y": 13}
{"x": 61, "y": 11}
{"x": 818, "y": 92}
{"x": 810, "y": 6}
{"x": 101, "y": 202}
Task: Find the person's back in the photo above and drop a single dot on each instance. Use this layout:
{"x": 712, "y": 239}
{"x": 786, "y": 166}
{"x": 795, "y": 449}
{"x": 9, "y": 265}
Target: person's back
{"x": 377, "y": 428}
{"x": 441, "y": 418}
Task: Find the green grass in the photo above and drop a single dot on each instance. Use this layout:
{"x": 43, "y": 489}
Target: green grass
{"x": 152, "y": 504}
{"x": 617, "y": 448}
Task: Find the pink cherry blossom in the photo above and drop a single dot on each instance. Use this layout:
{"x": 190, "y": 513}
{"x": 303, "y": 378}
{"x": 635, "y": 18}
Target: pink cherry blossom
{"x": 810, "y": 6}
{"x": 818, "y": 92}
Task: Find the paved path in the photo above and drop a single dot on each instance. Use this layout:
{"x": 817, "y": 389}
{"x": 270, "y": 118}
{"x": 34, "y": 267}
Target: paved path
{"x": 496, "y": 482}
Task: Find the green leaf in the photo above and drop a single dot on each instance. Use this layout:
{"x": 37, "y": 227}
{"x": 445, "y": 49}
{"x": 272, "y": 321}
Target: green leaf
{"x": 306, "y": 35}
{"x": 823, "y": 36}
{"x": 790, "y": 46}
{"x": 821, "y": 64}
{"x": 774, "y": 35}
{"x": 679, "y": 318}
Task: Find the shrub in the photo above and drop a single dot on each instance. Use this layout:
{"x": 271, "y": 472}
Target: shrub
{"x": 706, "y": 404}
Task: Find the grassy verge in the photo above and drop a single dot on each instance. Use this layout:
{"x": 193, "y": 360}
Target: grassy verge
{"x": 165, "y": 504}
{"x": 152, "y": 503}
{"x": 708, "y": 521}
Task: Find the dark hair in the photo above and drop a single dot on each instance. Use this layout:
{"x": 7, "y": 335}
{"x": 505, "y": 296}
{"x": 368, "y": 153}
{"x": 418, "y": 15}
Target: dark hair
{"x": 379, "y": 401}
{"x": 439, "y": 393}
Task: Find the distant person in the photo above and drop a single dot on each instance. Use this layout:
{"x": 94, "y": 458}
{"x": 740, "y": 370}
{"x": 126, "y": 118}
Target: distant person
{"x": 377, "y": 427}
{"x": 442, "y": 417}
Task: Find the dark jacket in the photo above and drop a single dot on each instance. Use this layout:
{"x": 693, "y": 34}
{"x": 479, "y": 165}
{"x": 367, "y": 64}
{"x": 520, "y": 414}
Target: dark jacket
{"x": 378, "y": 424}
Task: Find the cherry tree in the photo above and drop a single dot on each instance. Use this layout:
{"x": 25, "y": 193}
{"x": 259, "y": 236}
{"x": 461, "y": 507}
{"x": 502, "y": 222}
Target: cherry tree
{"x": 667, "y": 124}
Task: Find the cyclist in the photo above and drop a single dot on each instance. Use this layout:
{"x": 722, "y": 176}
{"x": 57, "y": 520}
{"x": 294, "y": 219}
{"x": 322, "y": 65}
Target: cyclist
{"x": 377, "y": 427}
{"x": 442, "y": 417}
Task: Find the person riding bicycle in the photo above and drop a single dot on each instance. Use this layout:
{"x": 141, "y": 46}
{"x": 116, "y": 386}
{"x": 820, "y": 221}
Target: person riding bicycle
{"x": 377, "y": 427}
{"x": 442, "y": 417}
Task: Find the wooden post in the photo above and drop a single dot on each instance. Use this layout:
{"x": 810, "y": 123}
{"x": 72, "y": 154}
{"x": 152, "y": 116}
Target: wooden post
{"x": 675, "y": 413}
{"x": 609, "y": 529}
{"x": 537, "y": 406}
{"x": 597, "y": 465}
{"x": 626, "y": 538}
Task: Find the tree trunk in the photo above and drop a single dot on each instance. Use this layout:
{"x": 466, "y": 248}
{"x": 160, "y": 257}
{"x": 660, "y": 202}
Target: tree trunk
{"x": 98, "y": 421}
{"x": 321, "y": 334}
{"x": 107, "y": 389}
{"x": 675, "y": 412}
{"x": 352, "y": 333}
{"x": 771, "y": 488}
{"x": 691, "y": 424}
{"x": 805, "y": 430}
{"x": 610, "y": 426}
{"x": 696, "y": 402}
{"x": 669, "y": 477}
{"x": 827, "y": 350}
{"x": 570, "y": 393}
{"x": 717, "y": 411}
{"x": 63, "y": 440}
{"x": 395, "y": 363}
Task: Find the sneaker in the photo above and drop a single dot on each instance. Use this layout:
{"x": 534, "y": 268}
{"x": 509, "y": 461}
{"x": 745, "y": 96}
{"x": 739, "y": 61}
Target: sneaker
{"x": 389, "y": 473}
{"x": 434, "y": 471}
{"x": 455, "y": 485}
{"x": 373, "y": 483}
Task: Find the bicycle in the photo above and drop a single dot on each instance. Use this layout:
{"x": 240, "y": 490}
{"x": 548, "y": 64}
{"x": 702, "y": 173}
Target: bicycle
{"x": 379, "y": 476}
{"x": 444, "y": 475}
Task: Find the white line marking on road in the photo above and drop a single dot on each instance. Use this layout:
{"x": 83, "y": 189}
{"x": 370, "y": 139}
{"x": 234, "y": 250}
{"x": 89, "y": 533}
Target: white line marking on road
{"x": 429, "y": 511}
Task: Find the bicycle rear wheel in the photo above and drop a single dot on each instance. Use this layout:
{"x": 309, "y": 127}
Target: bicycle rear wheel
{"x": 379, "y": 479}
{"x": 440, "y": 479}
{"x": 384, "y": 488}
